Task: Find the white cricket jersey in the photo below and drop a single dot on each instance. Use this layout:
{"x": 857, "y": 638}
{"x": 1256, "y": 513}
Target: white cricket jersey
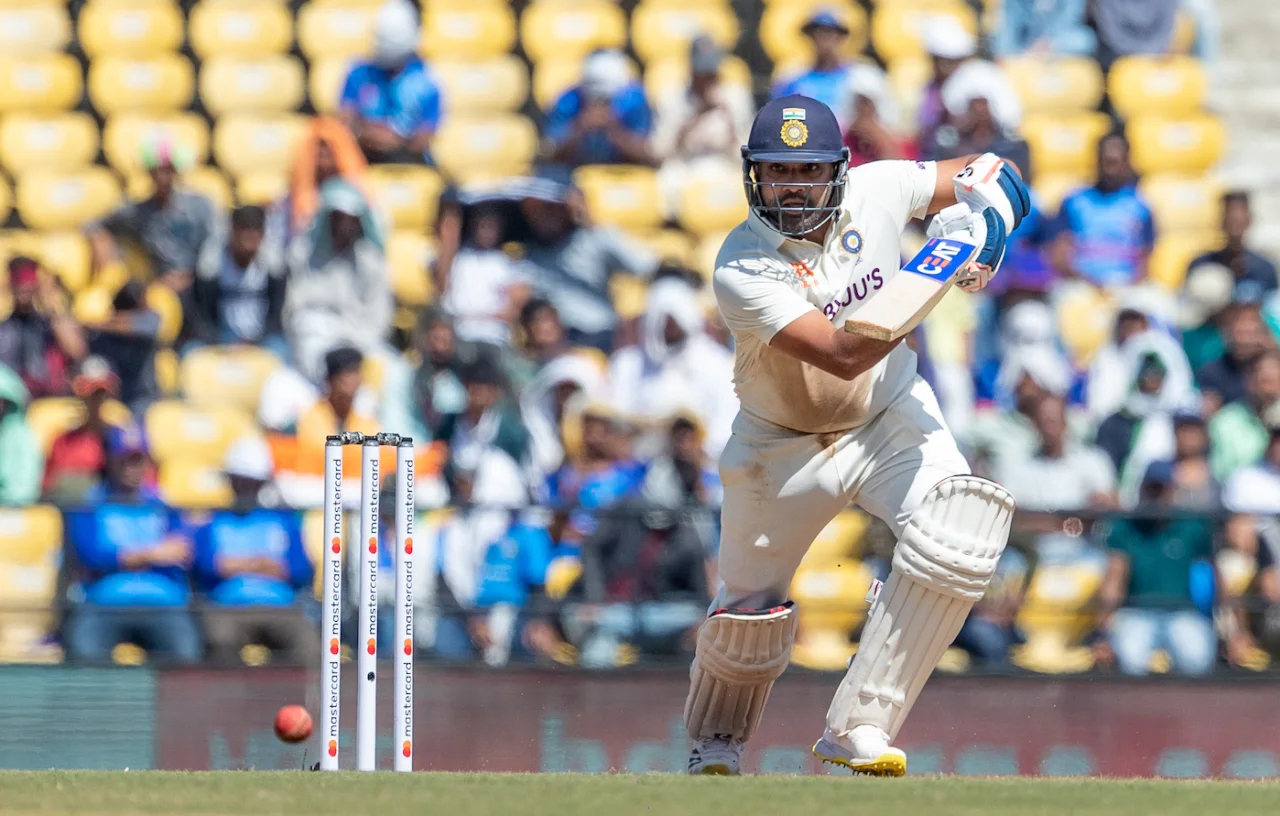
{"x": 764, "y": 281}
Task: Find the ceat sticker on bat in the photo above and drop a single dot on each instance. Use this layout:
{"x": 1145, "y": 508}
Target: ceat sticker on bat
{"x": 940, "y": 258}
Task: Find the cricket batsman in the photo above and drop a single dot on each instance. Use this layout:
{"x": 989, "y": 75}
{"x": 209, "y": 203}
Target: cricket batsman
{"x": 830, "y": 417}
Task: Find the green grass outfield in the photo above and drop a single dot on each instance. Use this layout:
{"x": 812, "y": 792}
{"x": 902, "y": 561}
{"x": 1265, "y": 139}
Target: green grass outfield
{"x": 310, "y": 794}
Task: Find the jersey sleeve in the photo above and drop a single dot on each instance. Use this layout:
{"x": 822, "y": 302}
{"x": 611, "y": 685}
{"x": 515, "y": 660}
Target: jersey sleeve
{"x": 905, "y": 188}
{"x": 755, "y": 298}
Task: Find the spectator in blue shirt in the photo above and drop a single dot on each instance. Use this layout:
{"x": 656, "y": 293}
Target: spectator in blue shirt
{"x": 598, "y": 471}
{"x": 1044, "y": 28}
{"x": 828, "y": 79}
{"x": 251, "y": 566}
{"x": 392, "y": 102}
{"x": 603, "y": 120}
{"x": 133, "y": 554}
{"x": 1106, "y": 231}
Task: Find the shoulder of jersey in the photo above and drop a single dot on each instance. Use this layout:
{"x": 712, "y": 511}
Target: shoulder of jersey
{"x": 743, "y": 244}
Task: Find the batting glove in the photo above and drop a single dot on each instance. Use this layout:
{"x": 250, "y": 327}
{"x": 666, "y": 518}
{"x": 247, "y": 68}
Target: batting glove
{"x": 986, "y": 229}
{"x": 989, "y": 181}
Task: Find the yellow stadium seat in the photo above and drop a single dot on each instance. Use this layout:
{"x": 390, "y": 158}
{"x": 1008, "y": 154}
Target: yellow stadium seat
{"x": 65, "y": 254}
{"x": 671, "y": 75}
{"x": 324, "y": 83}
{"x": 33, "y": 29}
{"x": 245, "y": 142}
{"x": 409, "y": 193}
{"x": 621, "y": 196}
{"x": 1173, "y": 253}
{"x": 30, "y": 558}
{"x": 780, "y": 25}
{"x": 194, "y": 485}
{"x": 672, "y": 245}
{"x": 92, "y": 304}
{"x": 553, "y": 77}
{"x": 182, "y": 432}
{"x": 568, "y": 29}
{"x": 1066, "y": 143}
{"x": 1190, "y": 144}
{"x": 208, "y": 181}
{"x": 839, "y": 541}
{"x": 1085, "y": 318}
{"x": 832, "y": 596}
{"x": 408, "y": 253}
{"x": 51, "y": 417}
{"x": 30, "y": 536}
{"x": 491, "y": 86}
{"x": 162, "y": 83}
{"x": 1051, "y": 188}
{"x": 58, "y": 142}
{"x": 331, "y": 31}
{"x": 1182, "y": 203}
{"x": 467, "y": 31}
{"x": 271, "y": 84}
{"x": 226, "y": 376}
{"x": 471, "y": 148}
{"x": 66, "y": 200}
{"x": 821, "y": 649}
{"x": 629, "y": 295}
{"x": 896, "y": 27}
{"x": 907, "y": 79}
{"x": 44, "y": 83}
{"x": 166, "y": 365}
{"x": 704, "y": 256}
{"x": 1058, "y": 85}
{"x": 164, "y": 301}
{"x": 237, "y": 29}
{"x": 1173, "y": 86}
{"x": 261, "y": 187}
{"x": 1057, "y": 601}
{"x": 712, "y": 201}
{"x": 664, "y": 28}
{"x": 138, "y": 30}
{"x": 125, "y": 134}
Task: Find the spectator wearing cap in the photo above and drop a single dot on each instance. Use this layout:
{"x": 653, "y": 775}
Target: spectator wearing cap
{"x": 128, "y": 341}
{"x": 948, "y": 44}
{"x": 1194, "y": 487}
{"x": 21, "y": 460}
{"x": 39, "y": 340}
{"x": 676, "y": 368}
{"x": 1043, "y": 28}
{"x": 1153, "y": 595}
{"x": 77, "y": 461}
{"x": 873, "y": 132}
{"x": 131, "y": 564}
{"x": 605, "y": 119}
{"x": 1253, "y": 274}
{"x": 392, "y": 102}
{"x": 571, "y": 262}
{"x": 1245, "y": 338}
{"x": 983, "y": 116}
{"x": 481, "y": 286}
{"x": 1106, "y": 231}
{"x": 827, "y": 79}
{"x": 489, "y": 420}
{"x": 169, "y": 227}
{"x": 338, "y": 292}
{"x": 239, "y": 291}
{"x": 702, "y": 125}
{"x": 251, "y": 567}
{"x": 1238, "y": 431}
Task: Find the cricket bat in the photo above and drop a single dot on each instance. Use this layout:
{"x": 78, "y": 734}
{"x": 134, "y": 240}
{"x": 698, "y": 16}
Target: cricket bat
{"x": 911, "y": 294}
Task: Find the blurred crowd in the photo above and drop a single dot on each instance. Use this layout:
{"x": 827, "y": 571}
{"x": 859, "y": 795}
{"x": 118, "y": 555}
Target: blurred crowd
{"x": 570, "y": 388}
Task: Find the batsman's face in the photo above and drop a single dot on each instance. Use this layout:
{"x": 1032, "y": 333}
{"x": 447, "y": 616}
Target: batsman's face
{"x": 800, "y": 188}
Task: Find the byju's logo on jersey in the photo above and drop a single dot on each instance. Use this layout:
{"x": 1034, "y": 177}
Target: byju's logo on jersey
{"x": 940, "y": 258}
{"x": 851, "y": 241}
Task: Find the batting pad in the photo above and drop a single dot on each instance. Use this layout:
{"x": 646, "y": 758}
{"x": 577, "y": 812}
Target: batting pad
{"x": 941, "y": 567}
{"x": 740, "y": 653}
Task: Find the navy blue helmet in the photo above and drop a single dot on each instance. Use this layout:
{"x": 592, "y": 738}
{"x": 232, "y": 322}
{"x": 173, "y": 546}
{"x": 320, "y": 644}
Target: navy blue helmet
{"x": 795, "y": 129}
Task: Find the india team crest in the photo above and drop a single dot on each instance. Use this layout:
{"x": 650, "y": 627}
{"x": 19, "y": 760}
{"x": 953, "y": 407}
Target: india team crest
{"x": 794, "y": 133}
{"x": 851, "y": 241}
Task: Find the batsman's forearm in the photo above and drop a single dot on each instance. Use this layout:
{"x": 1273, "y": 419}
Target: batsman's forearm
{"x": 858, "y": 354}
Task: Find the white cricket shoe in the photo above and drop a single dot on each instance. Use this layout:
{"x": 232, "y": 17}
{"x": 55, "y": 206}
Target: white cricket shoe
{"x": 865, "y": 750}
{"x": 715, "y": 757}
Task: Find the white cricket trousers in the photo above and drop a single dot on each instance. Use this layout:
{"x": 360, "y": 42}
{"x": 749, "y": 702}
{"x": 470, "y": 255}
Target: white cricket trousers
{"x": 781, "y": 488}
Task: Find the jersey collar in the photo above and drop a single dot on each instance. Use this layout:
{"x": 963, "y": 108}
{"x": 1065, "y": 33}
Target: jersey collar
{"x": 776, "y": 240}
